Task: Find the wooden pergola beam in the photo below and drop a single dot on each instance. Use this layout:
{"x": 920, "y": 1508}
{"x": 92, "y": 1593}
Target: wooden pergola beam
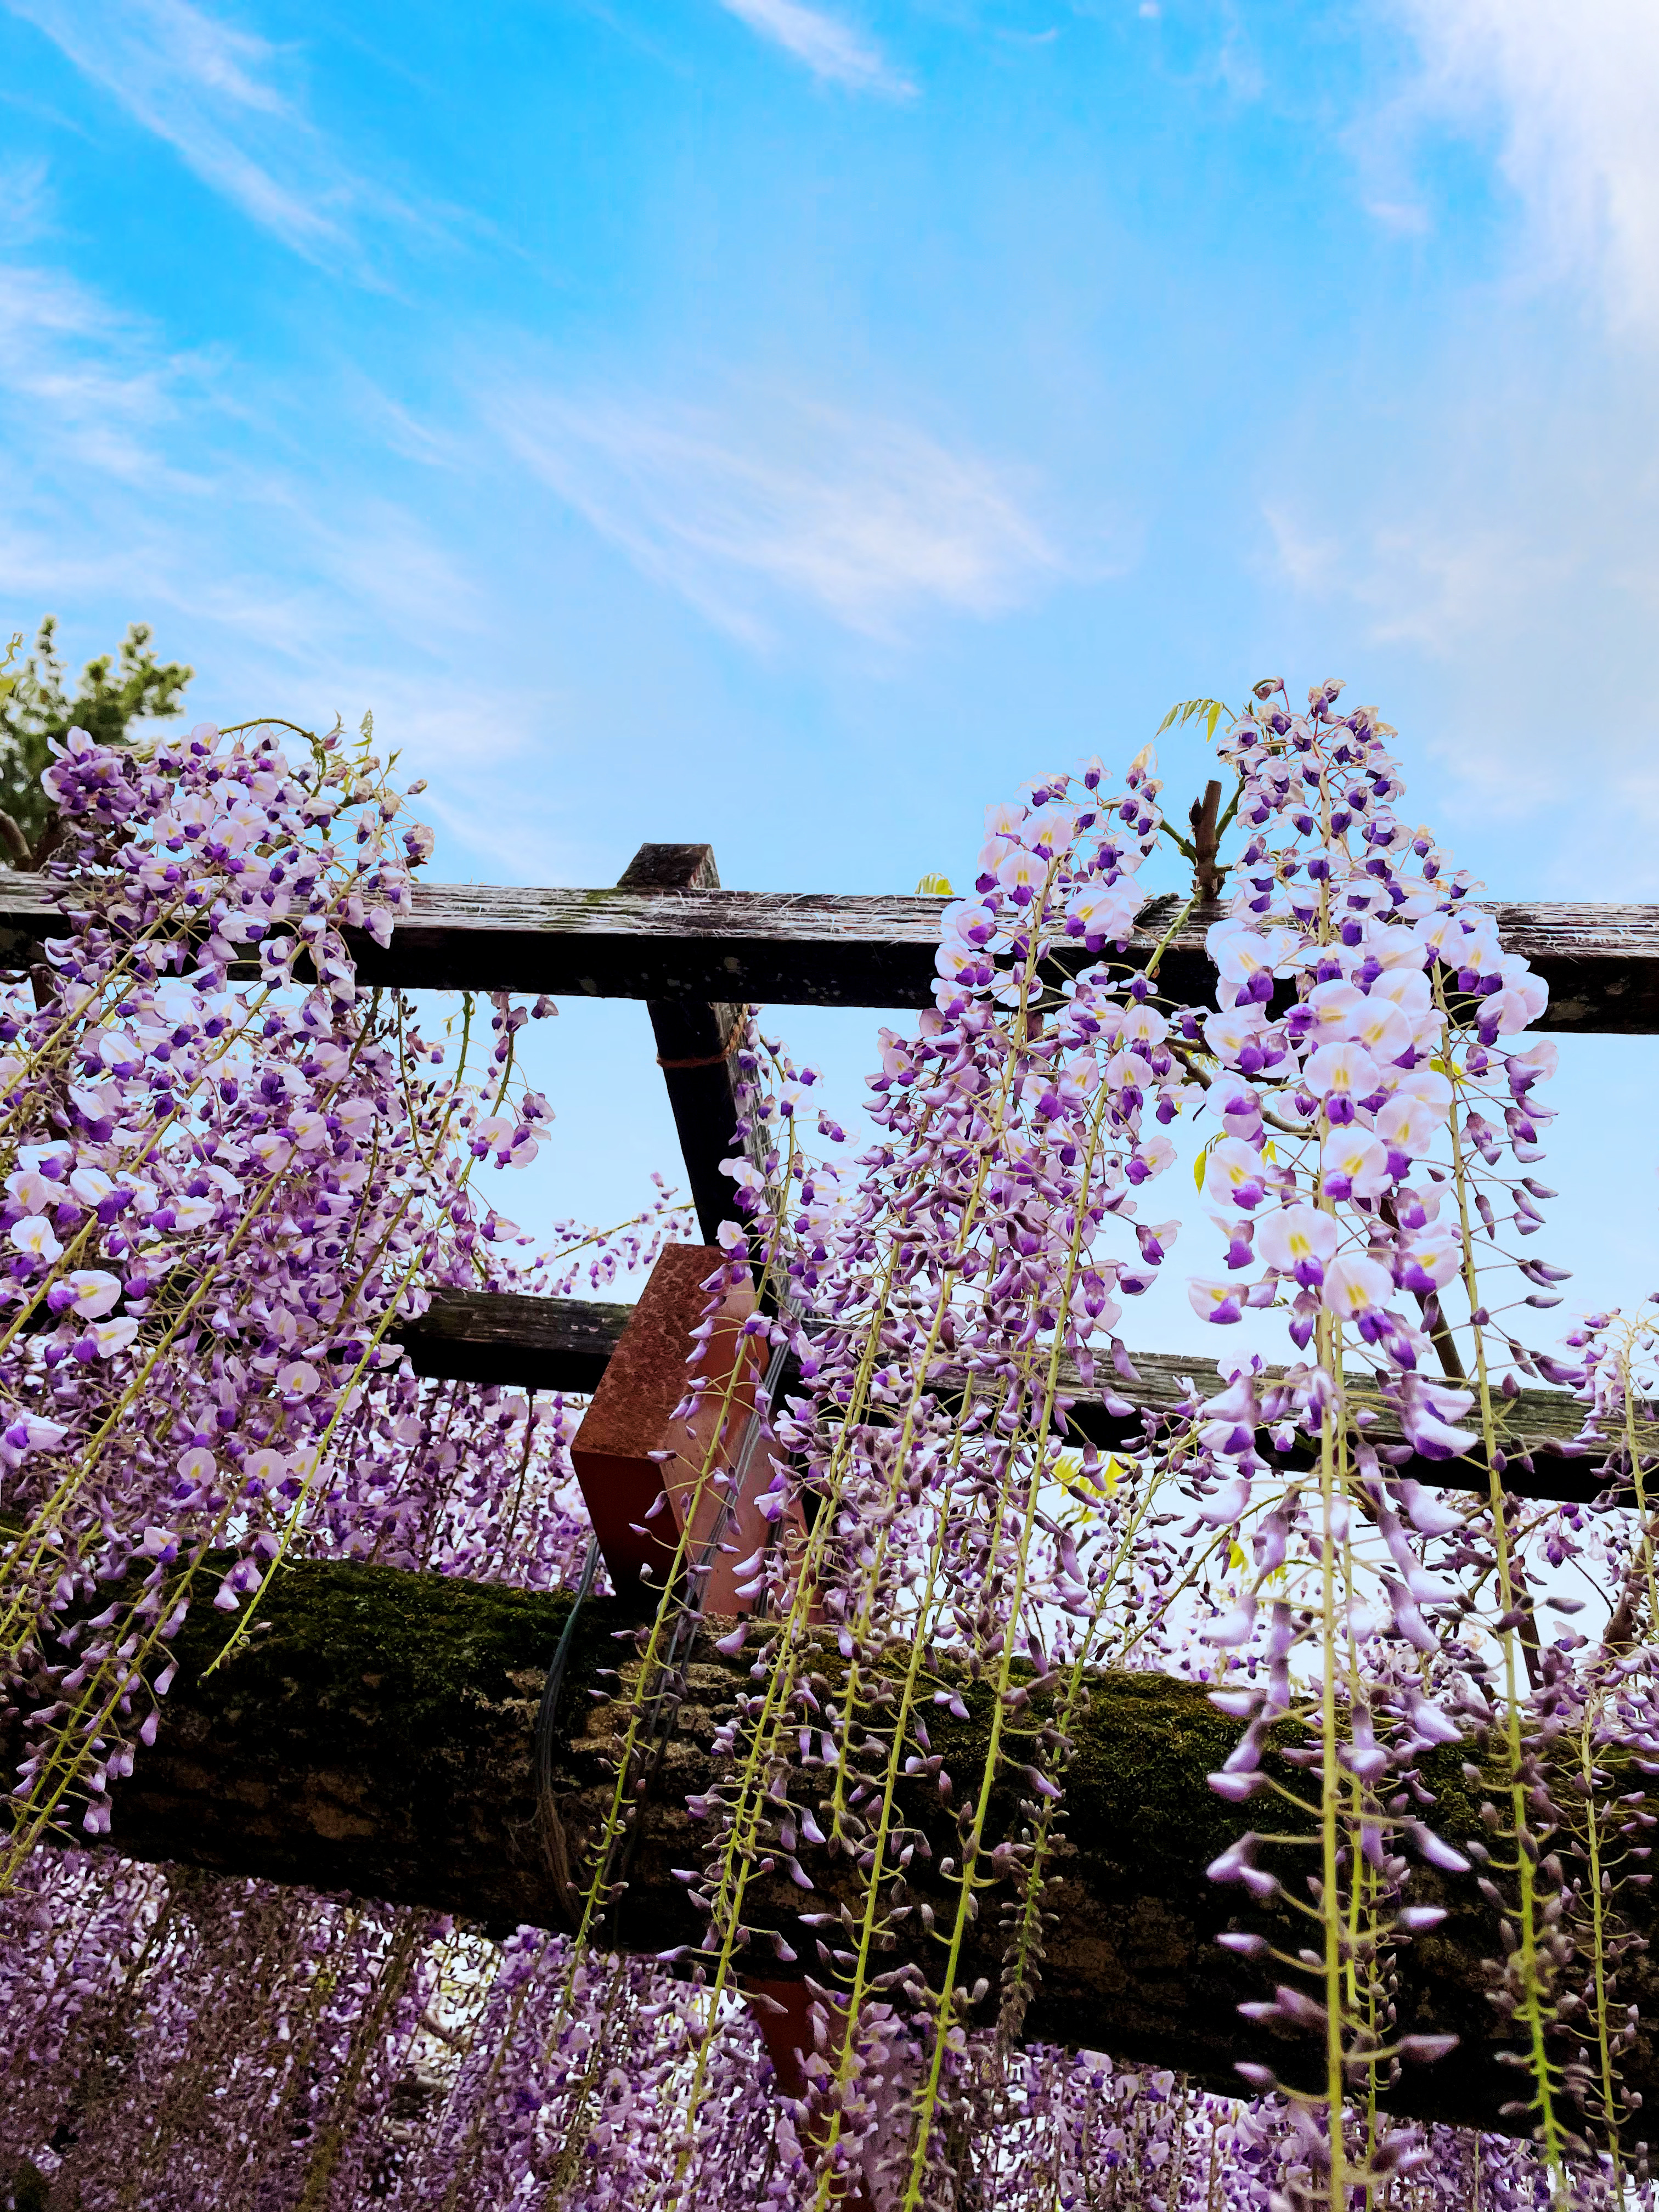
{"x": 565, "y": 1344}
{"x": 377, "y": 1737}
{"x": 820, "y": 949}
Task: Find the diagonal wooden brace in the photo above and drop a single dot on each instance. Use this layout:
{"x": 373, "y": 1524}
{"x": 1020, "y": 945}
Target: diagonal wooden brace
{"x": 640, "y": 1506}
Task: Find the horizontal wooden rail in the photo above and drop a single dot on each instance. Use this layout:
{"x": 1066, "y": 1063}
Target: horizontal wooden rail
{"x": 817, "y": 949}
{"x": 564, "y": 1344}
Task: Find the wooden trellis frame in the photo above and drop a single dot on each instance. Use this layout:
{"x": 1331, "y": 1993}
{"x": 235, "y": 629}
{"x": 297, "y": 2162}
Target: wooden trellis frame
{"x": 424, "y": 1790}
{"x": 696, "y": 954}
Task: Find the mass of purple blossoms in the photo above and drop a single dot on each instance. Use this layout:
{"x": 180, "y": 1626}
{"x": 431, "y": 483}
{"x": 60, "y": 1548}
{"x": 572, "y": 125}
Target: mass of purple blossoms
{"x": 233, "y": 1170}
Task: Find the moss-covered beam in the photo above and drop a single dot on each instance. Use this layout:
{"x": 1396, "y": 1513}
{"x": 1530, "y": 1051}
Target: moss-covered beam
{"x": 376, "y": 1735}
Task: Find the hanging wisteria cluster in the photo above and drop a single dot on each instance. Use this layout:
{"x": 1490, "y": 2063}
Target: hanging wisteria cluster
{"x": 235, "y": 1170}
{"x": 172, "y": 2039}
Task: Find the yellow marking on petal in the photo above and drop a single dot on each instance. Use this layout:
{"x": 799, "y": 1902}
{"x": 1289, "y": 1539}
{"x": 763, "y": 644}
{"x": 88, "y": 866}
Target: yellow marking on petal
{"x": 1069, "y": 1471}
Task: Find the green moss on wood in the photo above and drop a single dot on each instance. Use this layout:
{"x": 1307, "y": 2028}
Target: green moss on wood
{"x": 376, "y": 1735}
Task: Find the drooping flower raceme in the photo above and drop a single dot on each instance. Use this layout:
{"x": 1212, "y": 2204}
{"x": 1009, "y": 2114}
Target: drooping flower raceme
{"x": 228, "y": 1172}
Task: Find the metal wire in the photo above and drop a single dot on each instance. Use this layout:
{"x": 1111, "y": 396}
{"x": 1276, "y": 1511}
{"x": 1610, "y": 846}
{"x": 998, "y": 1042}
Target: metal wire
{"x": 547, "y": 1809}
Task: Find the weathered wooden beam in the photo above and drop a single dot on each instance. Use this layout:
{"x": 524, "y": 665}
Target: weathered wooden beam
{"x": 376, "y": 1737}
{"x": 559, "y": 1344}
{"x": 818, "y": 949}
{"x": 515, "y": 1342}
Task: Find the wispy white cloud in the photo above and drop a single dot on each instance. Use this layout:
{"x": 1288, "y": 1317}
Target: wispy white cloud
{"x": 153, "y": 484}
{"x": 829, "y": 47}
{"x": 213, "y": 93}
{"x": 81, "y": 383}
{"x": 1429, "y": 577}
{"x": 1483, "y": 515}
{"x": 25, "y": 202}
{"x": 1574, "y": 85}
{"x": 1406, "y": 218}
{"x": 1500, "y": 561}
{"x": 871, "y": 521}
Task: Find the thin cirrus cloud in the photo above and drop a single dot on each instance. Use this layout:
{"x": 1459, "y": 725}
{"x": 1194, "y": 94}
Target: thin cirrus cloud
{"x": 1422, "y": 577}
{"x": 1504, "y": 559}
{"x": 868, "y": 521}
{"x": 1576, "y": 88}
{"x": 211, "y": 93}
{"x": 81, "y": 382}
{"x": 293, "y": 588}
{"x": 831, "y": 49}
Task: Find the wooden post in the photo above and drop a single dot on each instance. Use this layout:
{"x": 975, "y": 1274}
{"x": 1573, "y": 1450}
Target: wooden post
{"x": 640, "y": 1505}
{"x": 696, "y": 1039}
{"x": 1207, "y": 843}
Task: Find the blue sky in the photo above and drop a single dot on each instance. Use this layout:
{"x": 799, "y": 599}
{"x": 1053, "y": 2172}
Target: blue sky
{"x": 794, "y": 425}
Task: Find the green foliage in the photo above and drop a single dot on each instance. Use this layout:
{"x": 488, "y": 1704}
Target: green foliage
{"x": 1190, "y": 710}
{"x": 935, "y": 887}
{"x": 116, "y": 691}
